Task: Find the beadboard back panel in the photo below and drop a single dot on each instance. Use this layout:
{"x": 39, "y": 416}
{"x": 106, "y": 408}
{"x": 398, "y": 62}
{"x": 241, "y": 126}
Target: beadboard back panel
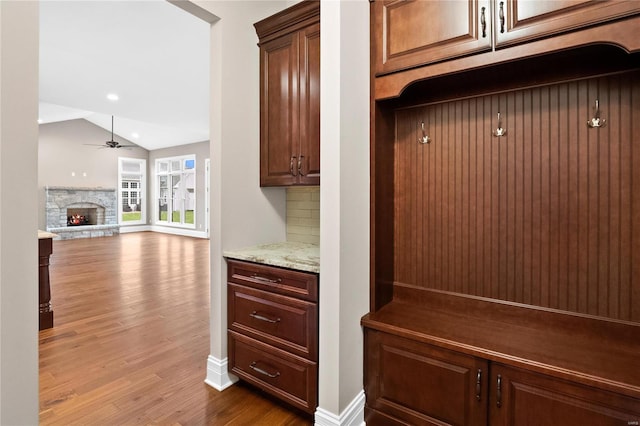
{"x": 548, "y": 214}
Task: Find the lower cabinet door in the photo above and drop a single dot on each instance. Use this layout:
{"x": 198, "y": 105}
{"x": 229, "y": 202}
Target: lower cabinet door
{"x": 520, "y": 398}
{"x": 286, "y": 376}
{"x": 414, "y": 383}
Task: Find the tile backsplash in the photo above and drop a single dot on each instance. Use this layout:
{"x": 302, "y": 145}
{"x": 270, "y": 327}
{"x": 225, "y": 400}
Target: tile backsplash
{"x": 303, "y": 214}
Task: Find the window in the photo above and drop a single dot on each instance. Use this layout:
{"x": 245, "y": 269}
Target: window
{"x": 132, "y": 174}
{"x": 176, "y": 191}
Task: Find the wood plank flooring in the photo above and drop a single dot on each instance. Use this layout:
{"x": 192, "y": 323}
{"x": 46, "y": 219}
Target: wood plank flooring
{"x": 131, "y": 339}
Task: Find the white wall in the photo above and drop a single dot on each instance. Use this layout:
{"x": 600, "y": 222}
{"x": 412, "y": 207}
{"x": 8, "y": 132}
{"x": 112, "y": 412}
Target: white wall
{"x": 242, "y": 213}
{"x": 64, "y": 159}
{"x": 18, "y": 213}
{"x": 344, "y": 209}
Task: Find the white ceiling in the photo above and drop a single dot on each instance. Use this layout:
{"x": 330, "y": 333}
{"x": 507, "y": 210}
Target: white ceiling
{"x": 152, "y": 54}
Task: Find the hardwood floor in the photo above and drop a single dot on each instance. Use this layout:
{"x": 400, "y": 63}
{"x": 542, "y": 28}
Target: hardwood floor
{"x": 131, "y": 338}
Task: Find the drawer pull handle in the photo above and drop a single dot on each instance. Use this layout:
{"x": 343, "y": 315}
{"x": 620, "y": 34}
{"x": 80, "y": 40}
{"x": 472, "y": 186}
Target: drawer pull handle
{"x": 266, "y": 280}
{"x": 263, "y": 372}
{"x": 478, "y": 384}
{"x": 257, "y": 316}
{"x": 499, "y": 392}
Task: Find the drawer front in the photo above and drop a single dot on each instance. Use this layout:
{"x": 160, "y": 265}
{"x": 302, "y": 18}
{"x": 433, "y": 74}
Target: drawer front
{"x": 283, "y": 281}
{"x": 286, "y": 376}
{"x": 285, "y": 322}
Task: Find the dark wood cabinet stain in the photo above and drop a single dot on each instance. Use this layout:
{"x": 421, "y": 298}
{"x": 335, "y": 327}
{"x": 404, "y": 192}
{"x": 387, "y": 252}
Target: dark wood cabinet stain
{"x": 505, "y": 251}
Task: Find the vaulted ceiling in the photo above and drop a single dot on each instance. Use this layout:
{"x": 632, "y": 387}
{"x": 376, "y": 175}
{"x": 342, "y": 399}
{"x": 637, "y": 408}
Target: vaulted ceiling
{"x": 152, "y": 54}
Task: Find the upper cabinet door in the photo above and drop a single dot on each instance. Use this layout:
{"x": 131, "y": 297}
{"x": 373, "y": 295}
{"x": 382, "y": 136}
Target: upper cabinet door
{"x": 309, "y": 153}
{"x": 279, "y": 111}
{"x": 522, "y": 20}
{"x": 410, "y": 33}
{"x": 290, "y": 96}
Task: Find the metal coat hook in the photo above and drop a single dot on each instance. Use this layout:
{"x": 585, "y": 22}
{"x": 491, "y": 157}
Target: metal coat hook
{"x": 500, "y": 131}
{"x": 596, "y": 121}
{"x": 424, "y": 139}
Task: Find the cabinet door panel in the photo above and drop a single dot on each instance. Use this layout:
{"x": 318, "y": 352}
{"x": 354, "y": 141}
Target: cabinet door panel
{"x": 522, "y": 20}
{"x": 422, "y": 384}
{"x": 279, "y": 110}
{"x": 310, "y": 106}
{"x": 533, "y": 399}
{"x": 409, "y": 33}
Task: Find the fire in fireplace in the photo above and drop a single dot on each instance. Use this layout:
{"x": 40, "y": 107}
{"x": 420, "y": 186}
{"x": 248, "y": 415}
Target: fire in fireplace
{"x": 81, "y": 216}
{"x": 77, "y": 220}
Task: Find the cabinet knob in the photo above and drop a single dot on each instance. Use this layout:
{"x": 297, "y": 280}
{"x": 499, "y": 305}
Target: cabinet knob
{"x": 300, "y": 165}
{"x": 499, "y": 392}
{"x": 483, "y": 22}
{"x": 479, "y": 385}
{"x": 501, "y": 15}
{"x": 291, "y": 169}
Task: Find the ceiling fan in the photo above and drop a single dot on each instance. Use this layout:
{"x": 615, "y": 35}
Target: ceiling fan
{"x": 111, "y": 143}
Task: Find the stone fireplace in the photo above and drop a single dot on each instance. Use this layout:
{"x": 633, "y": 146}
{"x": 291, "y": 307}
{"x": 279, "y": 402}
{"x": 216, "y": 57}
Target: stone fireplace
{"x": 81, "y": 212}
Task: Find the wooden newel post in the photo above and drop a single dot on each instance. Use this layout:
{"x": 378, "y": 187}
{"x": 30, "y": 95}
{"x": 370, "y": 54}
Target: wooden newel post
{"x": 45, "y": 248}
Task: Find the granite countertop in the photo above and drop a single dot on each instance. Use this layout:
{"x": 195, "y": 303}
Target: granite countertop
{"x": 44, "y": 234}
{"x": 300, "y": 256}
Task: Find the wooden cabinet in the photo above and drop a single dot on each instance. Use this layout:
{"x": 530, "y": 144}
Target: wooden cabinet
{"x": 411, "y": 33}
{"x": 273, "y": 331}
{"x": 523, "y": 398}
{"x": 423, "y": 384}
{"x": 290, "y": 96}
{"x": 523, "y": 20}
{"x": 504, "y": 280}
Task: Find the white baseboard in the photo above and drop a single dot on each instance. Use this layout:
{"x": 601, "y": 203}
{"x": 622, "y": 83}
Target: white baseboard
{"x": 178, "y": 231}
{"x": 134, "y": 228}
{"x": 353, "y": 415}
{"x": 218, "y": 376}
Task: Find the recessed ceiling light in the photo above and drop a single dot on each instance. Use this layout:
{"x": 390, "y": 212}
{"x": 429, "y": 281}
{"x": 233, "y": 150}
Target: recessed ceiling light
{"x": 135, "y": 135}
{"x": 113, "y": 97}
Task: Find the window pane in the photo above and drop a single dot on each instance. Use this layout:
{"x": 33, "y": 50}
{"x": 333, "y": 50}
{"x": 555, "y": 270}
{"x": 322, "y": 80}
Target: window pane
{"x": 131, "y": 167}
{"x": 163, "y": 166}
{"x": 189, "y": 164}
{"x": 175, "y": 166}
{"x": 163, "y": 185}
{"x": 131, "y": 175}
{"x": 177, "y": 198}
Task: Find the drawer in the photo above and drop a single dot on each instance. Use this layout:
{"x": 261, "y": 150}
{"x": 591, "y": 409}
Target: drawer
{"x": 285, "y": 322}
{"x": 278, "y": 280}
{"x": 286, "y": 376}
